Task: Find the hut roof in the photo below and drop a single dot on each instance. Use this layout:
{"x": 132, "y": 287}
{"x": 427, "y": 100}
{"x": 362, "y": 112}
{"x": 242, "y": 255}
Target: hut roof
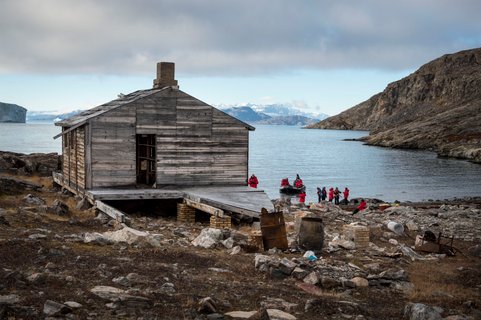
{"x": 81, "y": 118}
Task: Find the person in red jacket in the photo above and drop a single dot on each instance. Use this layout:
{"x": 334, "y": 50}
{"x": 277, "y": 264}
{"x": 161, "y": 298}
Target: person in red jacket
{"x": 330, "y": 195}
{"x": 345, "y": 193}
{"x": 360, "y": 207}
{"x": 285, "y": 182}
{"x": 253, "y": 181}
{"x": 302, "y": 197}
{"x": 298, "y": 182}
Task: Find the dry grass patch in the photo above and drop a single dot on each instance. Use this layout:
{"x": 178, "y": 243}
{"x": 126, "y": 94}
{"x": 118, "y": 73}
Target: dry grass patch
{"x": 448, "y": 283}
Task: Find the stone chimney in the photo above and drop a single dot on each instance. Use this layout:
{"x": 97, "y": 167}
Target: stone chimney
{"x": 165, "y": 75}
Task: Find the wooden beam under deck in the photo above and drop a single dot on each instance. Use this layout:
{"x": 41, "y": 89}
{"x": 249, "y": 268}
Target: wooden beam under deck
{"x": 204, "y": 207}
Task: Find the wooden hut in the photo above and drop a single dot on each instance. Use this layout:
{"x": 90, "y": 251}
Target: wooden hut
{"x": 152, "y": 139}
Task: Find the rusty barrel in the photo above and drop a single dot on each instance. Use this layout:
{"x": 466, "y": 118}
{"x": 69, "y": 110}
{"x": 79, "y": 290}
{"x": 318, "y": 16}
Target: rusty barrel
{"x": 311, "y": 233}
{"x": 273, "y": 230}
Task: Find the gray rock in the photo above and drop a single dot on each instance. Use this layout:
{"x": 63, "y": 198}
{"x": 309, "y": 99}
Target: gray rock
{"x": 167, "y": 288}
{"x": 279, "y": 315}
{"x": 37, "y": 236}
{"x": 208, "y": 238}
{"x": 33, "y": 200}
{"x": 59, "y": 208}
{"x": 120, "y": 296}
{"x": 240, "y": 314}
{"x": 397, "y": 275}
{"x": 228, "y": 243}
{"x": 419, "y": 311}
{"x": 312, "y": 278}
{"x": 207, "y": 305}
{"x": 287, "y": 266}
{"x": 37, "y": 278}
{"x": 52, "y": 308}
{"x": 134, "y": 301}
{"x": 411, "y": 225}
{"x": 236, "y": 250}
{"x": 299, "y": 273}
{"x": 108, "y": 293}
{"x": 278, "y": 303}
{"x": 277, "y": 273}
{"x": 9, "y": 299}
{"x": 83, "y": 204}
{"x": 73, "y": 304}
{"x": 96, "y": 238}
{"x": 261, "y": 260}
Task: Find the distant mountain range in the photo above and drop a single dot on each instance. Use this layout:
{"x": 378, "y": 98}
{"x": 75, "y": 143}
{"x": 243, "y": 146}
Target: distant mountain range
{"x": 275, "y": 114}
{"x": 49, "y": 116}
{"x": 272, "y": 114}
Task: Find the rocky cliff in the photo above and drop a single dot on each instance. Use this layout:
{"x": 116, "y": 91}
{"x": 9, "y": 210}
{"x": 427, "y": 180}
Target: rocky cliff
{"x": 12, "y": 113}
{"x": 438, "y": 108}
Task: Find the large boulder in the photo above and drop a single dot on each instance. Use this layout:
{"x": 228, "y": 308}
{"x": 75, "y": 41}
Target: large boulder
{"x": 42, "y": 164}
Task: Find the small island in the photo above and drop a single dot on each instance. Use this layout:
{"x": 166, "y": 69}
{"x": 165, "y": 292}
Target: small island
{"x": 12, "y": 113}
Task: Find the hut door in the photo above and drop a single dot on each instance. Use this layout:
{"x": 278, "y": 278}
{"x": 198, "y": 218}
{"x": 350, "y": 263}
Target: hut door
{"x": 146, "y": 159}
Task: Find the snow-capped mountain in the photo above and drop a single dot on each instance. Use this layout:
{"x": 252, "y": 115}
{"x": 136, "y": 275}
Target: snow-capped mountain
{"x": 282, "y": 114}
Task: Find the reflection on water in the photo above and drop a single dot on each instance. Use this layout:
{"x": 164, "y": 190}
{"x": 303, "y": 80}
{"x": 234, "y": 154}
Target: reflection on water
{"x": 322, "y": 158}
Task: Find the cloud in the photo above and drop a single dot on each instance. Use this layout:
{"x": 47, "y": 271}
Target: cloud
{"x": 218, "y": 37}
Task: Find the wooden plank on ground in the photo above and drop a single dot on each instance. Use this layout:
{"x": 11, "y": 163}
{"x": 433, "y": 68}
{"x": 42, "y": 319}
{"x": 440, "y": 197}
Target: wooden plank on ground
{"x": 110, "y": 211}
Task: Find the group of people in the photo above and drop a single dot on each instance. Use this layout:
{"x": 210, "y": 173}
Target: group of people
{"x": 297, "y": 183}
{"x": 333, "y": 194}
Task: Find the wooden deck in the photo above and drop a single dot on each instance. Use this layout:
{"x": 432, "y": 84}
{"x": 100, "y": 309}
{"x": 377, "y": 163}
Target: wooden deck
{"x": 241, "y": 200}
{"x": 238, "y": 199}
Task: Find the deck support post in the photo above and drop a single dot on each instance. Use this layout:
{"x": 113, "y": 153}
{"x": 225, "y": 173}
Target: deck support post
{"x": 185, "y": 213}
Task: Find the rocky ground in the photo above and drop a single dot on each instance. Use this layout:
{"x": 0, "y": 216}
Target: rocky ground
{"x": 61, "y": 259}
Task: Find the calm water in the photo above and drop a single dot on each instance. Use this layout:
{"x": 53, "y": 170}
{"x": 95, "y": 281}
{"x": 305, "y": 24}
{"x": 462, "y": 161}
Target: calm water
{"x": 29, "y": 137}
{"x": 321, "y": 158}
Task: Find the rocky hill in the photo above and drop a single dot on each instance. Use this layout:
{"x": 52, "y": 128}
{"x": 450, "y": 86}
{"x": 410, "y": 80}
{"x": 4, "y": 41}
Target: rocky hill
{"x": 437, "y": 108}
{"x": 12, "y": 113}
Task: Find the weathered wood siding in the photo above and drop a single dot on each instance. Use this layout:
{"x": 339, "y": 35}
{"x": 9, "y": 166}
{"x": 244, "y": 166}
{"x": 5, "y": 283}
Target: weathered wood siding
{"x": 196, "y": 144}
{"x": 113, "y": 148}
{"x": 73, "y": 151}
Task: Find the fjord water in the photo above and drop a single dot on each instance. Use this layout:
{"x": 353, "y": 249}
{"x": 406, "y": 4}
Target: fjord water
{"x": 320, "y": 157}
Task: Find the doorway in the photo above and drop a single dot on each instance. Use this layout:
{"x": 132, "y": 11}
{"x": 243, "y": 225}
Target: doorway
{"x": 146, "y": 154}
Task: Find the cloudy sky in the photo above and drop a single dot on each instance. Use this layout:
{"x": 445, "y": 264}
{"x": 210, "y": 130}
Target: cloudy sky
{"x": 323, "y": 56}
